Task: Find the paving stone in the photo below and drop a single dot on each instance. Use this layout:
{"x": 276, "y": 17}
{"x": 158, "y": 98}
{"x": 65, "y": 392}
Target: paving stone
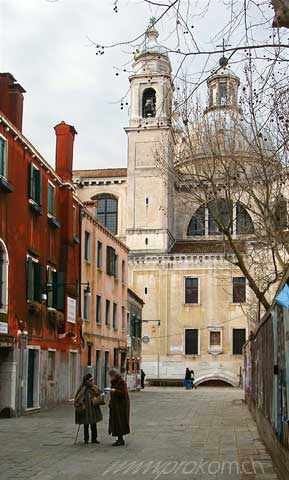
{"x": 206, "y": 433}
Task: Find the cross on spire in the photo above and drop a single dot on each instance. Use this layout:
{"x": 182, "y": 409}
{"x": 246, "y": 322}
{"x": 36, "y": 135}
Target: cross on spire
{"x": 223, "y": 60}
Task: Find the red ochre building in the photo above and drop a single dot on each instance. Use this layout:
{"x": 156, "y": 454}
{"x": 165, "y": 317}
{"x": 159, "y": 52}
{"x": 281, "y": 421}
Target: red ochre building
{"x": 40, "y": 265}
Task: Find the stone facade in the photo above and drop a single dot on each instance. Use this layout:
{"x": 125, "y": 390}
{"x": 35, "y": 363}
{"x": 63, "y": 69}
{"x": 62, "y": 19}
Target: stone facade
{"x": 164, "y": 262}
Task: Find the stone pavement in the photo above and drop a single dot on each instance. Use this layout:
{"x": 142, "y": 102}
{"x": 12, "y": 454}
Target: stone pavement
{"x": 200, "y": 434}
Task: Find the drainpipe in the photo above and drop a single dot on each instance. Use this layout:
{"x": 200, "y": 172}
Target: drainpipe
{"x": 21, "y": 372}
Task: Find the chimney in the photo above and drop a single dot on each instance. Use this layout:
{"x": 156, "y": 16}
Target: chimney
{"x": 11, "y": 99}
{"x": 64, "y": 150}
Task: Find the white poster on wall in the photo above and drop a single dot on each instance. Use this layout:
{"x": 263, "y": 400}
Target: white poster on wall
{"x": 71, "y": 310}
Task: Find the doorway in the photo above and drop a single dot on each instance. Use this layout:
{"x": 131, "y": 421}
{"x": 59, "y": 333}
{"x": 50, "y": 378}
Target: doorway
{"x": 33, "y": 378}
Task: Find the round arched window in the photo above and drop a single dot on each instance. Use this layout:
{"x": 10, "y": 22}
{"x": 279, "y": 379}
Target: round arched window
{"x": 149, "y": 103}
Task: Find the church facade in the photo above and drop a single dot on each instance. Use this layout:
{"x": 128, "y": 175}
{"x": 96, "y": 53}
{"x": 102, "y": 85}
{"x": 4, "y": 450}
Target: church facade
{"x": 195, "y": 300}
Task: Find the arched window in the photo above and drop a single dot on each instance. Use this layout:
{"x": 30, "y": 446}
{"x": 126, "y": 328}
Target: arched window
{"x": 244, "y": 224}
{"x": 196, "y": 226}
{"x": 206, "y": 220}
{"x": 3, "y": 277}
{"x": 221, "y": 211}
{"x": 149, "y": 103}
{"x": 107, "y": 211}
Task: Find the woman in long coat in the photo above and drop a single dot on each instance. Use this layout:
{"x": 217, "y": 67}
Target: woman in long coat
{"x": 86, "y": 413}
{"x": 119, "y": 408}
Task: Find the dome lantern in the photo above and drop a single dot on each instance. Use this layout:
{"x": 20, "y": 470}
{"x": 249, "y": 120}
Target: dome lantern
{"x": 223, "y": 88}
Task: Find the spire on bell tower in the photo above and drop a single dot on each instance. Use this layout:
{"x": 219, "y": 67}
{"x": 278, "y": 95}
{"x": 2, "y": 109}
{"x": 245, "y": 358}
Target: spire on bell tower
{"x": 151, "y": 83}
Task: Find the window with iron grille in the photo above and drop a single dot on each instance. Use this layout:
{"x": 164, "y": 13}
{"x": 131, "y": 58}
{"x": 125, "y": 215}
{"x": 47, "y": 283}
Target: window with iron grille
{"x": 191, "y": 290}
{"x": 239, "y": 290}
{"x": 107, "y": 212}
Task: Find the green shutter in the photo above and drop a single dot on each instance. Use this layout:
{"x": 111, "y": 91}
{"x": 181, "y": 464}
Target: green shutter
{"x": 29, "y": 278}
{"x": 51, "y": 192}
{"x": 38, "y": 187}
{"x": 37, "y": 281}
{"x": 2, "y": 157}
{"x": 30, "y": 180}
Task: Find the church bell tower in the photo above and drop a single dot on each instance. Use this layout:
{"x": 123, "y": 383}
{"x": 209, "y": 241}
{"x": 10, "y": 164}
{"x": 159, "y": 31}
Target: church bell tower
{"x": 150, "y": 168}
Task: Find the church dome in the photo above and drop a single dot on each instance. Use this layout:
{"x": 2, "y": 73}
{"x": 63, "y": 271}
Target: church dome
{"x": 151, "y": 44}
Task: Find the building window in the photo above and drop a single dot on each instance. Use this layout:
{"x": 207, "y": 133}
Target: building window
{"x": 51, "y": 199}
{"x": 215, "y": 340}
{"x": 114, "y": 316}
{"x": 51, "y": 366}
{"x": 99, "y": 255}
{"x": 146, "y": 290}
{"x": 50, "y": 280}
{"x": 146, "y": 241}
{"x": 87, "y": 246}
{"x": 115, "y": 266}
{"x": 111, "y": 262}
{"x": 3, "y": 277}
{"x": 147, "y": 201}
{"x": 74, "y": 221}
{"x": 239, "y": 290}
{"x": 191, "y": 290}
{"x": 3, "y": 157}
{"x": 191, "y": 341}
{"x": 123, "y": 272}
{"x": 128, "y": 324}
{"x": 33, "y": 280}
{"x": 115, "y": 357}
{"x": 280, "y": 214}
{"x": 89, "y": 349}
{"x": 107, "y": 313}
{"x": 149, "y": 103}
{"x": 98, "y": 309}
{"x": 107, "y": 212}
{"x": 35, "y": 184}
{"x": 123, "y": 319}
{"x": 197, "y": 224}
{"x": 239, "y": 339}
{"x": 206, "y": 220}
{"x": 86, "y": 305}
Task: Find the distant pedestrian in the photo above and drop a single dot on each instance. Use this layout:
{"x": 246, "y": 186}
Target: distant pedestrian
{"x": 87, "y": 412}
{"x": 189, "y": 379}
{"x": 142, "y": 378}
{"x": 119, "y": 408}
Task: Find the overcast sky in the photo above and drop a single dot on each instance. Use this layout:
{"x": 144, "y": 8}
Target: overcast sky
{"x": 45, "y": 45}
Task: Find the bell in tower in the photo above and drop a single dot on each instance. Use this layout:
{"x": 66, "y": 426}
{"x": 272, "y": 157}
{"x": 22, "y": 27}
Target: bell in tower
{"x": 151, "y": 83}
{"x": 149, "y": 103}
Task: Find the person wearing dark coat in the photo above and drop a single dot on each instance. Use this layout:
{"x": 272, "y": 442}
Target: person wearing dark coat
{"x": 119, "y": 408}
{"x": 142, "y": 378}
{"x": 86, "y": 413}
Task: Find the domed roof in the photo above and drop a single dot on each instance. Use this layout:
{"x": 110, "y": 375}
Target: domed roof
{"x": 223, "y": 72}
{"x": 151, "y": 44}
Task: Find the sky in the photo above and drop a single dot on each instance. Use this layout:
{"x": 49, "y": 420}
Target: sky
{"x": 47, "y": 46}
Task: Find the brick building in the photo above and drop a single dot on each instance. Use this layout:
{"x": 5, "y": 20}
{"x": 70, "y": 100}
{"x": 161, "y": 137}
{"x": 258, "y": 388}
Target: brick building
{"x": 40, "y": 334}
{"x": 104, "y": 305}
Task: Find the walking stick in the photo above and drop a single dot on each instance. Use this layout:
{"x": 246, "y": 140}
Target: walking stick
{"x": 77, "y": 434}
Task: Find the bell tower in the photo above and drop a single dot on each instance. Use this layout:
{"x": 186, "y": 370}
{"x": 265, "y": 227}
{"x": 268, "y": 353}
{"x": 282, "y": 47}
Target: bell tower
{"x": 150, "y": 203}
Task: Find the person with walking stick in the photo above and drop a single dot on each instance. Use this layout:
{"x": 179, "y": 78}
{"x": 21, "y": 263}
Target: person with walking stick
{"x": 87, "y": 403}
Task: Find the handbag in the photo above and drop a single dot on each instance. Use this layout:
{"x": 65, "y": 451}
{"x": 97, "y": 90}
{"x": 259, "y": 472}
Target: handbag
{"x": 98, "y": 401}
